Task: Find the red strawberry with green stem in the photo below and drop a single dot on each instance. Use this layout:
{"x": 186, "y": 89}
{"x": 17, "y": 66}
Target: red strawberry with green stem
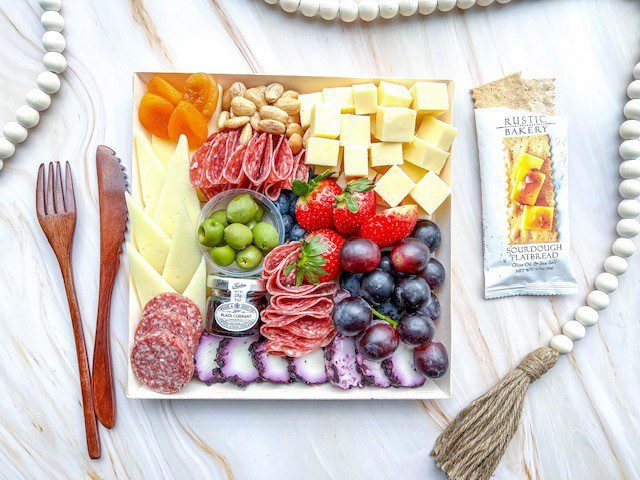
{"x": 314, "y": 209}
{"x": 391, "y": 225}
{"x": 319, "y": 258}
{"x": 354, "y": 206}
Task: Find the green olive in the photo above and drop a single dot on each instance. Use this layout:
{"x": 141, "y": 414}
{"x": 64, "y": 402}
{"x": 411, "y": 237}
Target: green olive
{"x": 265, "y": 236}
{"x": 223, "y": 256}
{"x": 241, "y": 209}
{"x": 210, "y": 233}
{"x": 238, "y": 235}
{"x": 259, "y": 214}
{"x": 220, "y": 216}
{"x": 249, "y": 258}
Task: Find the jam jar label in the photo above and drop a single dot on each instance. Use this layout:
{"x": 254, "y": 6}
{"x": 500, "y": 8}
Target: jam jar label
{"x": 237, "y": 315}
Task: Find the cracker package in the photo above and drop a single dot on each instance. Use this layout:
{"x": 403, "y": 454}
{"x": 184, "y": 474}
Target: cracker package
{"x": 525, "y": 197}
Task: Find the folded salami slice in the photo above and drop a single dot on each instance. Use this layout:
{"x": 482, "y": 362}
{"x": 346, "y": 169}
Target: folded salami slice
{"x": 232, "y": 144}
{"x": 302, "y": 169}
{"x": 232, "y": 171}
{"x": 196, "y": 169}
{"x": 292, "y": 346}
{"x": 279, "y": 283}
{"x": 215, "y": 160}
{"x": 267, "y": 162}
{"x": 253, "y": 157}
{"x": 283, "y": 160}
{"x": 273, "y": 190}
{"x": 306, "y": 326}
{"x": 301, "y": 303}
{"x": 275, "y": 257}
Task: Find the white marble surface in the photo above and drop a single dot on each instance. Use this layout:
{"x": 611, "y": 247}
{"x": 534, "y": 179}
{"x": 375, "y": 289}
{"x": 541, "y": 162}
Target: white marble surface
{"x": 580, "y": 422}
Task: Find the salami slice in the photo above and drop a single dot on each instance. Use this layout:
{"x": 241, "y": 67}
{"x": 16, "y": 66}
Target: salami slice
{"x": 162, "y": 362}
{"x": 196, "y": 168}
{"x": 275, "y": 257}
{"x": 215, "y": 161}
{"x": 302, "y": 303}
{"x": 279, "y": 283}
{"x": 283, "y": 160}
{"x": 232, "y": 171}
{"x": 309, "y": 327}
{"x": 253, "y": 157}
{"x": 302, "y": 169}
{"x": 267, "y": 162}
{"x": 232, "y": 144}
{"x": 292, "y": 346}
{"x": 170, "y": 320}
{"x": 177, "y": 303}
{"x": 273, "y": 190}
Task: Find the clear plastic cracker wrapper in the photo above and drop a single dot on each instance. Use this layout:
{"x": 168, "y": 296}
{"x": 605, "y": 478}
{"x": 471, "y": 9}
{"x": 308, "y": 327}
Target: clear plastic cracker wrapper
{"x": 525, "y": 203}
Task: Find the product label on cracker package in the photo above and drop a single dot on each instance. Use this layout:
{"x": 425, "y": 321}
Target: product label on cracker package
{"x": 525, "y": 202}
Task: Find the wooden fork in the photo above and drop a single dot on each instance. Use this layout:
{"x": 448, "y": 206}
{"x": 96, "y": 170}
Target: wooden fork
{"x": 56, "y": 208}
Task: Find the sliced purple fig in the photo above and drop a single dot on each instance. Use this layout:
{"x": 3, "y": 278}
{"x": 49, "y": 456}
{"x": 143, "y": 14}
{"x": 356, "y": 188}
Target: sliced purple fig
{"x": 340, "y": 363}
{"x": 235, "y": 361}
{"x": 206, "y": 366}
{"x": 309, "y": 368}
{"x": 400, "y": 370}
{"x": 271, "y": 368}
{"x": 372, "y": 373}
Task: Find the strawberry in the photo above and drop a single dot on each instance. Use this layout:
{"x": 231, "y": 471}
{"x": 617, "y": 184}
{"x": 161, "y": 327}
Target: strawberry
{"x": 314, "y": 209}
{"x": 354, "y": 206}
{"x": 319, "y": 257}
{"x": 391, "y": 225}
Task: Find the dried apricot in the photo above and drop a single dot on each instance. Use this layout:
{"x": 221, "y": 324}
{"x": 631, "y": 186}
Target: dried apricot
{"x": 164, "y": 89}
{"x": 154, "y": 114}
{"x": 201, "y": 90}
{"x": 187, "y": 120}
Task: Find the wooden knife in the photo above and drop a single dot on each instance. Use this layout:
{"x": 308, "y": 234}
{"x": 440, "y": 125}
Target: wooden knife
{"x": 112, "y": 183}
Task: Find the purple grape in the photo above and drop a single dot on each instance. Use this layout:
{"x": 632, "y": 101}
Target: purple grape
{"x": 378, "y": 342}
{"x": 415, "y": 329}
{"x": 360, "y": 255}
{"x": 410, "y": 255}
{"x": 377, "y": 287}
{"x": 351, "y": 316}
{"x": 340, "y": 295}
{"x": 434, "y": 274}
{"x": 429, "y": 233}
{"x": 385, "y": 262}
{"x": 351, "y": 282}
{"x": 389, "y": 309}
{"x": 431, "y": 360}
{"x": 431, "y": 308}
{"x": 411, "y": 293}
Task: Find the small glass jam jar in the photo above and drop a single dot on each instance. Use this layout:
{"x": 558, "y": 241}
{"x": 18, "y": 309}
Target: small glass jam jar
{"x": 233, "y": 309}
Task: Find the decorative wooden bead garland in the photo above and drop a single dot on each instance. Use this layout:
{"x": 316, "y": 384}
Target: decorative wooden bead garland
{"x": 48, "y": 81}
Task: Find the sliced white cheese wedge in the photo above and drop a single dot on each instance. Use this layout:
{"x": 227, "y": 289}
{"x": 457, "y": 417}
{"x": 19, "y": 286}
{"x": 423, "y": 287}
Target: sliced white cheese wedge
{"x": 176, "y": 191}
{"x": 197, "y": 288}
{"x": 164, "y": 148}
{"x": 184, "y": 254}
{"x": 151, "y": 172}
{"x": 152, "y": 243}
{"x": 147, "y": 281}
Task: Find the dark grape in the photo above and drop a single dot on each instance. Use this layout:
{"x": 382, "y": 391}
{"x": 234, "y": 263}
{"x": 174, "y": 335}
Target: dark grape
{"x": 288, "y": 222}
{"x": 351, "y": 282}
{"x": 429, "y": 233}
{"x": 385, "y": 262}
{"x": 351, "y": 316}
{"x": 431, "y": 308}
{"x": 431, "y": 360}
{"x": 360, "y": 255}
{"x": 415, "y": 329}
{"x": 340, "y": 295}
{"x": 412, "y": 293}
{"x": 378, "y": 342}
{"x": 282, "y": 204}
{"x": 434, "y": 273}
{"x": 410, "y": 255}
{"x": 377, "y": 287}
{"x": 389, "y": 309}
{"x": 297, "y": 233}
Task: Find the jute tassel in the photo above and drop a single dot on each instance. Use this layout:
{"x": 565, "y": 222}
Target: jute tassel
{"x": 471, "y": 447}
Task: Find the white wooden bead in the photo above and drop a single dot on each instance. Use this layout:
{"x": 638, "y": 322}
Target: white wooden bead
{"x": 629, "y": 189}
{"x": 1, "y": 164}
{"x": 388, "y": 8}
{"x": 632, "y": 109}
{"x": 271, "y": 2}
{"x": 54, "y": 42}
{"x": 27, "y": 116}
{"x": 14, "y": 132}
{"x": 574, "y": 330}
{"x": 6, "y": 148}
{"x": 628, "y": 228}
{"x": 485, "y": 3}
{"x": 309, "y": 8}
{"x": 629, "y": 208}
{"x": 329, "y": 9}
{"x": 503, "y": 1}
{"x": 636, "y": 71}
{"x": 55, "y": 62}
{"x": 289, "y": 6}
{"x": 630, "y": 169}
{"x": 464, "y": 4}
{"x": 37, "y": 99}
{"x": 630, "y": 129}
{"x": 615, "y": 265}
{"x": 48, "y": 82}
{"x": 629, "y": 149}
{"x": 587, "y": 316}
{"x": 561, "y": 344}
{"x": 606, "y": 282}
{"x": 53, "y": 5}
{"x": 426, "y": 7}
{"x": 368, "y": 10}
{"x": 623, "y": 247}
{"x": 52, "y": 21}
{"x": 408, "y": 7}
{"x": 598, "y": 300}
{"x": 446, "y": 5}
{"x": 633, "y": 90}
{"x": 348, "y": 11}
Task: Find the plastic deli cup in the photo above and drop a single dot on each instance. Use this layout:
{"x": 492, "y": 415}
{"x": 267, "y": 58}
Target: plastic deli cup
{"x": 220, "y": 202}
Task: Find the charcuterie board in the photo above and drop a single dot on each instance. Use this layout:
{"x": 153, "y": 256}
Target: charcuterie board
{"x": 149, "y": 174}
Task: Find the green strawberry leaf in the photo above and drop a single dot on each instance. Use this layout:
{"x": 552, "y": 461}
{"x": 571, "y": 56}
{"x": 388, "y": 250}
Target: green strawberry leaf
{"x": 359, "y": 185}
{"x": 352, "y": 204}
{"x": 300, "y": 188}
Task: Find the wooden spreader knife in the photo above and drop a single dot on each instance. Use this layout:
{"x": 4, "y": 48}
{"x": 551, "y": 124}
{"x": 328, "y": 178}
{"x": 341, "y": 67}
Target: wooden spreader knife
{"x": 112, "y": 183}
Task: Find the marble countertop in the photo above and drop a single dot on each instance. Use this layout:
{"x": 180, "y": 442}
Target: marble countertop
{"x": 580, "y": 421}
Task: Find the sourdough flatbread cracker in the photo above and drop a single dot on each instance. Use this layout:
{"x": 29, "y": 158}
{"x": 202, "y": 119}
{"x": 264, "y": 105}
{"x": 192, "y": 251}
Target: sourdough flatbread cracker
{"x": 512, "y": 91}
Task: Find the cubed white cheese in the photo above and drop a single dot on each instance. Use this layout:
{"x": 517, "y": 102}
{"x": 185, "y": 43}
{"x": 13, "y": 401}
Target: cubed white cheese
{"x": 430, "y": 192}
{"x": 425, "y": 155}
{"x": 307, "y": 101}
{"x": 386, "y": 153}
{"x": 431, "y": 98}
{"x": 356, "y": 161}
{"x": 437, "y": 132}
{"x": 365, "y": 98}
{"x": 393, "y": 95}
{"x": 342, "y": 96}
{"x": 322, "y": 151}
{"x": 394, "y": 186}
{"x": 325, "y": 120}
{"x": 395, "y": 124}
{"x": 355, "y": 130}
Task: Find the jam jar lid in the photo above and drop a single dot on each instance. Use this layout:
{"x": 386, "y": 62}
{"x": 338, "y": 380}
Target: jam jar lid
{"x": 217, "y": 282}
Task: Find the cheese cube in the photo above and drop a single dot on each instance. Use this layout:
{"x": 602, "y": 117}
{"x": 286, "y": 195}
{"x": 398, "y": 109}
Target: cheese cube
{"x": 386, "y": 153}
{"x": 437, "y": 132}
{"x": 318, "y": 169}
{"x": 307, "y": 101}
{"x": 395, "y": 124}
{"x": 393, "y": 95}
{"x": 425, "y": 155}
{"x": 414, "y": 172}
{"x": 365, "y": 98}
{"x": 355, "y": 130}
{"x": 325, "y": 120}
{"x": 342, "y": 96}
{"x": 356, "y": 161}
{"x": 394, "y": 186}
{"x": 430, "y": 97}
{"x": 430, "y": 192}
{"x": 322, "y": 151}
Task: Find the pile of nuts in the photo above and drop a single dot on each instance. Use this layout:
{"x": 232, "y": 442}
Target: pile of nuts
{"x": 265, "y": 108}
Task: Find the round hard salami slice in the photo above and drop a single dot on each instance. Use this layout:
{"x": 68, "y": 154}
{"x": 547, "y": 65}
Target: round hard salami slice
{"x": 253, "y": 158}
{"x": 179, "y": 304}
{"x": 162, "y": 362}
{"x": 170, "y": 320}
